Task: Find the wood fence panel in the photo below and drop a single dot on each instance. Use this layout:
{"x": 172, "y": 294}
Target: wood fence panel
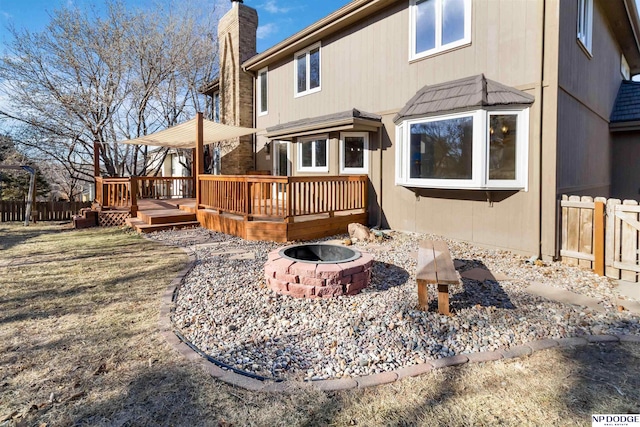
{"x": 585, "y": 244}
{"x": 610, "y": 239}
{"x": 629, "y": 227}
{"x": 13, "y": 211}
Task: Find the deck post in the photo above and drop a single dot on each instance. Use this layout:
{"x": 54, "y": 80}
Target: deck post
{"x": 133, "y": 188}
{"x": 199, "y": 157}
{"x": 96, "y": 166}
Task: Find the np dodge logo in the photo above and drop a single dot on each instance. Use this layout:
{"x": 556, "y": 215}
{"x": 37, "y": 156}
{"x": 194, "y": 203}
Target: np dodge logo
{"x": 615, "y": 420}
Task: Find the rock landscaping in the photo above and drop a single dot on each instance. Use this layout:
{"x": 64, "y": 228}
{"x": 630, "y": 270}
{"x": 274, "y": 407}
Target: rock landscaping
{"x": 225, "y": 308}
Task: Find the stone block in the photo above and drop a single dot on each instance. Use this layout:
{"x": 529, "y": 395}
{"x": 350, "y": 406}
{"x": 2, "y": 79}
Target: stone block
{"x": 312, "y": 281}
{"x": 413, "y": 370}
{"x": 281, "y": 265}
{"x": 542, "y": 344}
{"x": 352, "y": 267}
{"x": 449, "y": 361}
{"x": 360, "y": 277}
{"x": 274, "y": 255}
{"x": 280, "y": 286}
{"x": 335, "y": 385}
{"x": 629, "y": 338}
{"x": 303, "y": 269}
{"x": 270, "y": 272}
{"x": 517, "y": 351}
{"x": 355, "y": 287}
{"x": 602, "y": 338}
{"x": 329, "y": 291}
{"x": 571, "y": 342}
{"x": 344, "y": 280}
{"x": 300, "y": 290}
{"x": 291, "y": 278}
{"x": 484, "y": 356}
{"x": 329, "y": 271}
{"x": 376, "y": 379}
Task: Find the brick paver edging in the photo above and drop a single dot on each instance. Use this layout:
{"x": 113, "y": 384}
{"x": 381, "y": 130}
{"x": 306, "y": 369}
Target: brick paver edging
{"x": 246, "y": 381}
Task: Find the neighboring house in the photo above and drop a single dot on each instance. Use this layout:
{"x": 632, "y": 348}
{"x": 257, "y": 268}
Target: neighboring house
{"x": 471, "y": 118}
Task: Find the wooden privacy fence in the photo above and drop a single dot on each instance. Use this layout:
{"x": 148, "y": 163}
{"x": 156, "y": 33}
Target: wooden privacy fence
{"x": 41, "y": 211}
{"x": 283, "y": 198}
{"x": 601, "y": 234}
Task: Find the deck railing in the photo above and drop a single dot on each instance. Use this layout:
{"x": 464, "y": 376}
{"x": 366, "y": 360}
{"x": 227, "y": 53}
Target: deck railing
{"x": 274, "y": 197}
{"x": 125, "y": 192}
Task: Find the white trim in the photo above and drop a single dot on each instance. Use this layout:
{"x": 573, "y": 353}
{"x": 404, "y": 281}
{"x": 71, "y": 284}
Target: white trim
{"x": 365, "y": 154}
{"x": 301, "y": 168}
{"x": 624, "y": 68}
{"x": 439, "y": 47}
{"x": 522, "y": 150}
{"x": 480, "y": 153}
{"x": 276, "y": 155}
{"x": 584, "y": 32}
{"x": 307, "y": 52}
{"x": 259, "y": 91}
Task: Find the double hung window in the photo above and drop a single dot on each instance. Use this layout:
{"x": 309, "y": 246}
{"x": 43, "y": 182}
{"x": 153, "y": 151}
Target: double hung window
{"x": 262, "y": 92}
{"x": 313, "y": 154}
{"x": 307, "y": 71}
{"x": 585, "y": 23}
{"x": 438, "y": 25}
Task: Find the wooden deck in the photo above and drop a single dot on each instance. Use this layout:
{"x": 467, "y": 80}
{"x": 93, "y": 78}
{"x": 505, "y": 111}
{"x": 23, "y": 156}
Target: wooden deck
{"x": 268, "y": 208}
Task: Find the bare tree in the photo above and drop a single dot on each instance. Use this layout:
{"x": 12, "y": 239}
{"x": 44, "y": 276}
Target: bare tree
{"x": 94, "y": 77}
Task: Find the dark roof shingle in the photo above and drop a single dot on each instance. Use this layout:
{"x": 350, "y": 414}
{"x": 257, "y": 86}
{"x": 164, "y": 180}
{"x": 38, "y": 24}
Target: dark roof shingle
{"x": 627, "y": 106}
{"x": 459, "y": 95}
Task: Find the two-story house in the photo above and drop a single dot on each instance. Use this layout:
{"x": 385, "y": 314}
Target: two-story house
{"x": 470, "y": 117}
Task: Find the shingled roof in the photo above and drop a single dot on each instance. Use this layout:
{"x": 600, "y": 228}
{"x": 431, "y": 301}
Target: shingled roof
{"x": 343, "y": 117}
{"x": 627, "y": 106}
{"x": 460, "y": 95}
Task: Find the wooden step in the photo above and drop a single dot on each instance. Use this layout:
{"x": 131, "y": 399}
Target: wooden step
{"x": 142, "y": 227}
{"x": 168, "y": 216}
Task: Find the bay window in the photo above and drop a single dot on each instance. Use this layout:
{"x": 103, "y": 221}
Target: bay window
{"x": 482, "y": 149}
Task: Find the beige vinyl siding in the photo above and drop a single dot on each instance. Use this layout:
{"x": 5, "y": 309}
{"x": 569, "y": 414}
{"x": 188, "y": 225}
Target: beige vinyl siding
{"x": 367, "y": 67}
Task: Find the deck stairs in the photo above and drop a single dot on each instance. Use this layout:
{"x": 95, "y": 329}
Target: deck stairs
{"x": 148, "y": 221}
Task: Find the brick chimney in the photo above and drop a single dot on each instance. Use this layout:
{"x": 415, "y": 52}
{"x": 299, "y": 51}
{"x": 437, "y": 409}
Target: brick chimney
{"x": 237, "y": 43}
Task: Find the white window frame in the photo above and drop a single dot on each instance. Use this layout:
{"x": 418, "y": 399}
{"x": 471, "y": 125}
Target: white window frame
{"x": 480, "y": 153}
{"x": 216, "y": 107}
{"x": 301, "y": 168}
{"x": 307, "y": 53}
{"x": 439, "y": 47}
{"x": 365, "y": 168}
{"x": 264, "y": 73}
{"x": 522, "y": 150}
{"x": 584, "y": 32}
{"x": 625, "y": 70}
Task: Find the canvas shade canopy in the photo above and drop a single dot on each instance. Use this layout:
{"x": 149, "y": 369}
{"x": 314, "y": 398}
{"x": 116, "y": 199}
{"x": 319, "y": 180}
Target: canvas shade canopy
{"x": 184, "y": 135}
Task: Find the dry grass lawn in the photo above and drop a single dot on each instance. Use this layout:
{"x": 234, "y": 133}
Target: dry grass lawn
{"x": 79, "y": 346}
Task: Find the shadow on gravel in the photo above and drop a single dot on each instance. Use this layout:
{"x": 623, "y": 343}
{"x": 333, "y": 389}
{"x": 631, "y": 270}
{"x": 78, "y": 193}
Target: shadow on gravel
{"x": 386, "y": 276}
{"x": 486, "y": 293}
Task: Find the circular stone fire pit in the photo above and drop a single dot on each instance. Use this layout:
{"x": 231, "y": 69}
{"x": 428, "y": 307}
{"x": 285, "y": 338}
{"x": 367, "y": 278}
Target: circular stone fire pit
{"x": 318, "y": 270}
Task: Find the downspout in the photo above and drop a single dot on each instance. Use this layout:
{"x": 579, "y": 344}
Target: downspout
{"x": 379, "y": 223}
{"x": 542, "y": 64}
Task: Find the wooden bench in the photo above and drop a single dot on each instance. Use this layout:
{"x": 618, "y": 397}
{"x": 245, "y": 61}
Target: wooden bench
{"x": 435, "y": 267}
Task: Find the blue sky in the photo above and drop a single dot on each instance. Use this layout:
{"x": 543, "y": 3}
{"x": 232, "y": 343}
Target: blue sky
{"x": 278, "y": 18}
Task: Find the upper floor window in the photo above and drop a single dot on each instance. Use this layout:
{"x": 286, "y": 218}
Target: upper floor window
{"x": 482, "y": 149}
{"x": 585, "y": 23}
{"x": 262, "y": 92}
{"x": 438, "y": 25}
{"x": 307, "y": 70}
{"x": 215, "y": 110}
{"x": 313, "y": 154}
